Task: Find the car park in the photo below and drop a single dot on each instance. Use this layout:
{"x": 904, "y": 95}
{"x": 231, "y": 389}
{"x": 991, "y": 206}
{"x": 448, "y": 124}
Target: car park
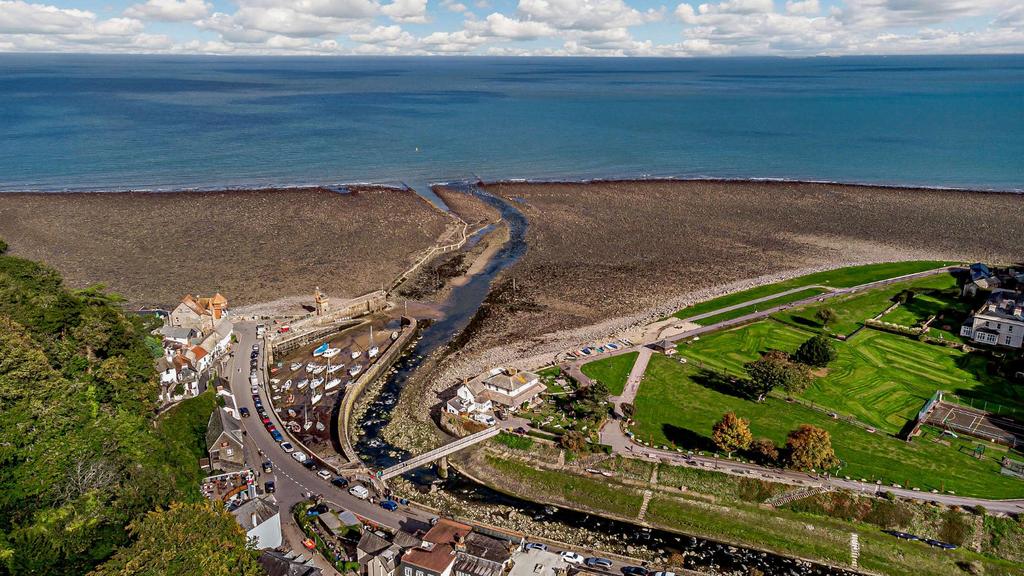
{"x": 634, "y": 571}
{"x": 340, "y": 481}
{"x": 287, "y": 447}
{"x": 359, "y": 491}
{"x": 594, "y": 562}
{"x": 299, "y": 456}
{"x": 572, "y": 557}
{"x": 325, "y": 474}
{"x": 269, "y": 487}
{"x": 535, "y": 546}
{"x": 268, "y": 467}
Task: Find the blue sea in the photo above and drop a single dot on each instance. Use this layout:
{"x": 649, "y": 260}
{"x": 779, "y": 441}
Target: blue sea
{"x": 90, "y": 122}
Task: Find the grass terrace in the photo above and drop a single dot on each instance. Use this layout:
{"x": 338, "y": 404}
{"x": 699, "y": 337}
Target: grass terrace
{"x": 839, "y": 278}
{"x": 781, "y": 300}
{"x": 679, "y": 403}
{"x": 612, "y": 371}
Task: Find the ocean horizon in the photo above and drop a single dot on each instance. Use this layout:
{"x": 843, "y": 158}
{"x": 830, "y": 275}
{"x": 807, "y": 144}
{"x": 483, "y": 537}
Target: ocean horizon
{"x": 115, "y": 123}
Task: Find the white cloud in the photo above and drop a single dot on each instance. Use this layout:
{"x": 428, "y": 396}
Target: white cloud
{"x": 19, "y": 17}
{"x": 411, "y": 11}
{"x": 802, "y": 6}
{"x": 453, "y": 6}
{"x": 584, "y": 14}
{"x": 500, "y": 26}
{"x": 169, "y": 10}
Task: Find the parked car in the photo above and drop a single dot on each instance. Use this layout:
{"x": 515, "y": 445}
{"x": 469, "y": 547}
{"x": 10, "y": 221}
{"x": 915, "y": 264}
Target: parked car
{"x": 265, "y": 420}
{"x": 244, "y": 412}
{"x": 664, "y": 574}
{"x": 572, "y": 557}
{"x": 359, "y": 491}
{"x": 268, "y": 466}
{"x": 299, "y": 456}
{"x": 484, "y": 419}
{"x": 268, "y": 487}
{"x": 325, "y": 474}
{"x": 309, "y": 543}
{"x": 256, "y": 347}
{"x": 535, "y": 546}
{"x": 598, "y": 562}
{"x": 389, "y": 505}
{"x": 520, "y": 430}
{"x": 283, "y": 329}
{"x": 340, "y": 481}
{"x": 287, "y": 447}
{"x": 634, "y": 571}
{"x": 255, "y": 389}
{"x": 276, "y": 436}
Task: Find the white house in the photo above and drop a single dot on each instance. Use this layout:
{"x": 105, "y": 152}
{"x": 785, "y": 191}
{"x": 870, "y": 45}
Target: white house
{"x": 217, "y": 342}
{"x": 505, "y": 387}
{"x": 1000, "y": 322}
{"x": 260, "y": 517}
{"x": 466, "y": 402}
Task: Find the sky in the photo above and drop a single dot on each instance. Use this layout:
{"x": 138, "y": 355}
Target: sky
{"x": 515, "y": 27}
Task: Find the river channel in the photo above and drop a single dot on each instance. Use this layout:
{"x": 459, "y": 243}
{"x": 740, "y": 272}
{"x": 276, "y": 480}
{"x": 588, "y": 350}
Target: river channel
{"x": 459, "y": 308}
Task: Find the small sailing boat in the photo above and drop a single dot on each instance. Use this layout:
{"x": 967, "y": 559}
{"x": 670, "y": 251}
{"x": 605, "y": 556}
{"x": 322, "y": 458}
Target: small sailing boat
{"x": 332, "y": 384}
{"x": 372, "y": 352}
{"x": 316, "y": 397}
{"x": 331, "y": 352}
{"x": 294, "y": 427}
{"x": 320, "y": 426}
{"x": 318, "y": 369}
{"x": 333, "y": 369}
{"x": 291, "y": 413}
{"x": 305, "y": 417}
{"x": 354, "y": 370}
{"x": 287, "y": 385}
{"x": 356, "y": 354}
{"x": 310, "y": 366}
{"x": 394, "y": 336}
{"x": 302, "y": 383}
{"x": 320, "y": 350}
{"x": 295, "y": 366}
{"x": 316, "y": 382}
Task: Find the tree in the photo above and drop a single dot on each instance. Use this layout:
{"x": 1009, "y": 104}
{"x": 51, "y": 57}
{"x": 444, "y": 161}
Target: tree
{"x": 572, "y": 441}
{"x": 817, "y": 351}
{"x": 810, "y": 448}
{"x": 826, "y": 316}
{"x": 731, "y": 433}
{"x": 628, "y": 410}
{"x": 199, "y": 538}
{"x": 774, "y": 370}
{"x": 904, "y": 296}
{"x": 3, "y": 247}
{"x": 764, "y": 451}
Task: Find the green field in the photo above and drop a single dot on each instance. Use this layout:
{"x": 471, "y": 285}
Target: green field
{"x": 679, "y": 403}
{"x": 853, "y": 309}
{"x": 794, "y": 297}
{"x": 612, "y": 371}
{"x": 840, "y": 278}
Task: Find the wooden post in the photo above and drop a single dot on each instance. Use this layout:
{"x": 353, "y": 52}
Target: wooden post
{"x": 442, "y": 468}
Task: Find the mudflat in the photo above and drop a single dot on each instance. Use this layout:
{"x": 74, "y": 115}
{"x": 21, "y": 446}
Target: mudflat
{"x": 605, "y": 250}
{"x": 250, "y": 245}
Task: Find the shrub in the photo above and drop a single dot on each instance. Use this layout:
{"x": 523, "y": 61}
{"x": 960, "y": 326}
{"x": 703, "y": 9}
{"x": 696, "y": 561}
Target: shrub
{"x": 955, "y": 529}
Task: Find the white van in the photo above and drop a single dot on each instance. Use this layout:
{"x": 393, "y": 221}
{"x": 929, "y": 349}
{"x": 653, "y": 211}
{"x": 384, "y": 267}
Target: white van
{"x": 359, "y": 491}
{"x": 299, "y": 456}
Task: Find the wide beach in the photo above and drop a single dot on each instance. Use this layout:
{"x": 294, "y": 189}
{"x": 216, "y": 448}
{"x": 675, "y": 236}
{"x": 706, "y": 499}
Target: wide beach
{"x": 251, "y": 245}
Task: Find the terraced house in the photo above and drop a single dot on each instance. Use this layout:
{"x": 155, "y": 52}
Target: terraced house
{"x": 1000, "y": 322}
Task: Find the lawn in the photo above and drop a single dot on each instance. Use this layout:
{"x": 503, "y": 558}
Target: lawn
{"x": 674, "y": 409}
{"x": 839, "y": 278}
{"x": 853, "y": 309}
{"x": 789, "y": 298}
{"x": 612, "y": 371}
{"x": 883, "y": 379}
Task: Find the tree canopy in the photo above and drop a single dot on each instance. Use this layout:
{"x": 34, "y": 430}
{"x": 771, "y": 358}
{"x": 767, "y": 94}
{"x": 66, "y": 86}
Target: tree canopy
{"x": 775, "y": 369}
{"x": 186, "y": 539}
{"x": 817, "y": 351}
{"x": 826, "y": 316}
{"x": 810, "y": 448}
{"x": 79, "y": 457}
{"x": 731, "y": 433}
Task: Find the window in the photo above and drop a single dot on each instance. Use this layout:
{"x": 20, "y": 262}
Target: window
{"x": 419, "y": 573}
{"x": 1007, "y": 342}
{"x": 408, "y": 571}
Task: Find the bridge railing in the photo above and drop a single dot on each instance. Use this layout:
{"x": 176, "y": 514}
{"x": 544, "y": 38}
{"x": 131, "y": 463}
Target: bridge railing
{"x": 427, "y": 457}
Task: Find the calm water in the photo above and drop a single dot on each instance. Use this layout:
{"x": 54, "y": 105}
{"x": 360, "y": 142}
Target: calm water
{"x": 115, "y": 122}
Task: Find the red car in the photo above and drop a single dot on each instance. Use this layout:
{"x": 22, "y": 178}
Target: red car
{"x": 265, "y": 420}
{"x": 309, "y": 543}
{"x": 283, "y": 329}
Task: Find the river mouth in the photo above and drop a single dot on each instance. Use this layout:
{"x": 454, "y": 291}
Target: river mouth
{"x": 458, "y": 311}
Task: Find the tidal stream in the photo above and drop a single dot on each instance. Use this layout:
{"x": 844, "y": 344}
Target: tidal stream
{"x": 458, "y": 310}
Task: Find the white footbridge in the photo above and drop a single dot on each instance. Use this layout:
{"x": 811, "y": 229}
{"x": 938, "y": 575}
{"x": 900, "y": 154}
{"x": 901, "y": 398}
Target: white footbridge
{"x": 437, "y": 453}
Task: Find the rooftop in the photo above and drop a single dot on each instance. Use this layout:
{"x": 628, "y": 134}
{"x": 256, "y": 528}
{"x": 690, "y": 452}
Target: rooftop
{"x": 256, "y": 511}
{"x": 536, "y": 563}
{"x": 510, "y": 379}
{"x": 1005, "y": 304}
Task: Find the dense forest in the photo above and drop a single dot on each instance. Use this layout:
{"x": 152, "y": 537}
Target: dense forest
{"x": 81, "y": 457}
